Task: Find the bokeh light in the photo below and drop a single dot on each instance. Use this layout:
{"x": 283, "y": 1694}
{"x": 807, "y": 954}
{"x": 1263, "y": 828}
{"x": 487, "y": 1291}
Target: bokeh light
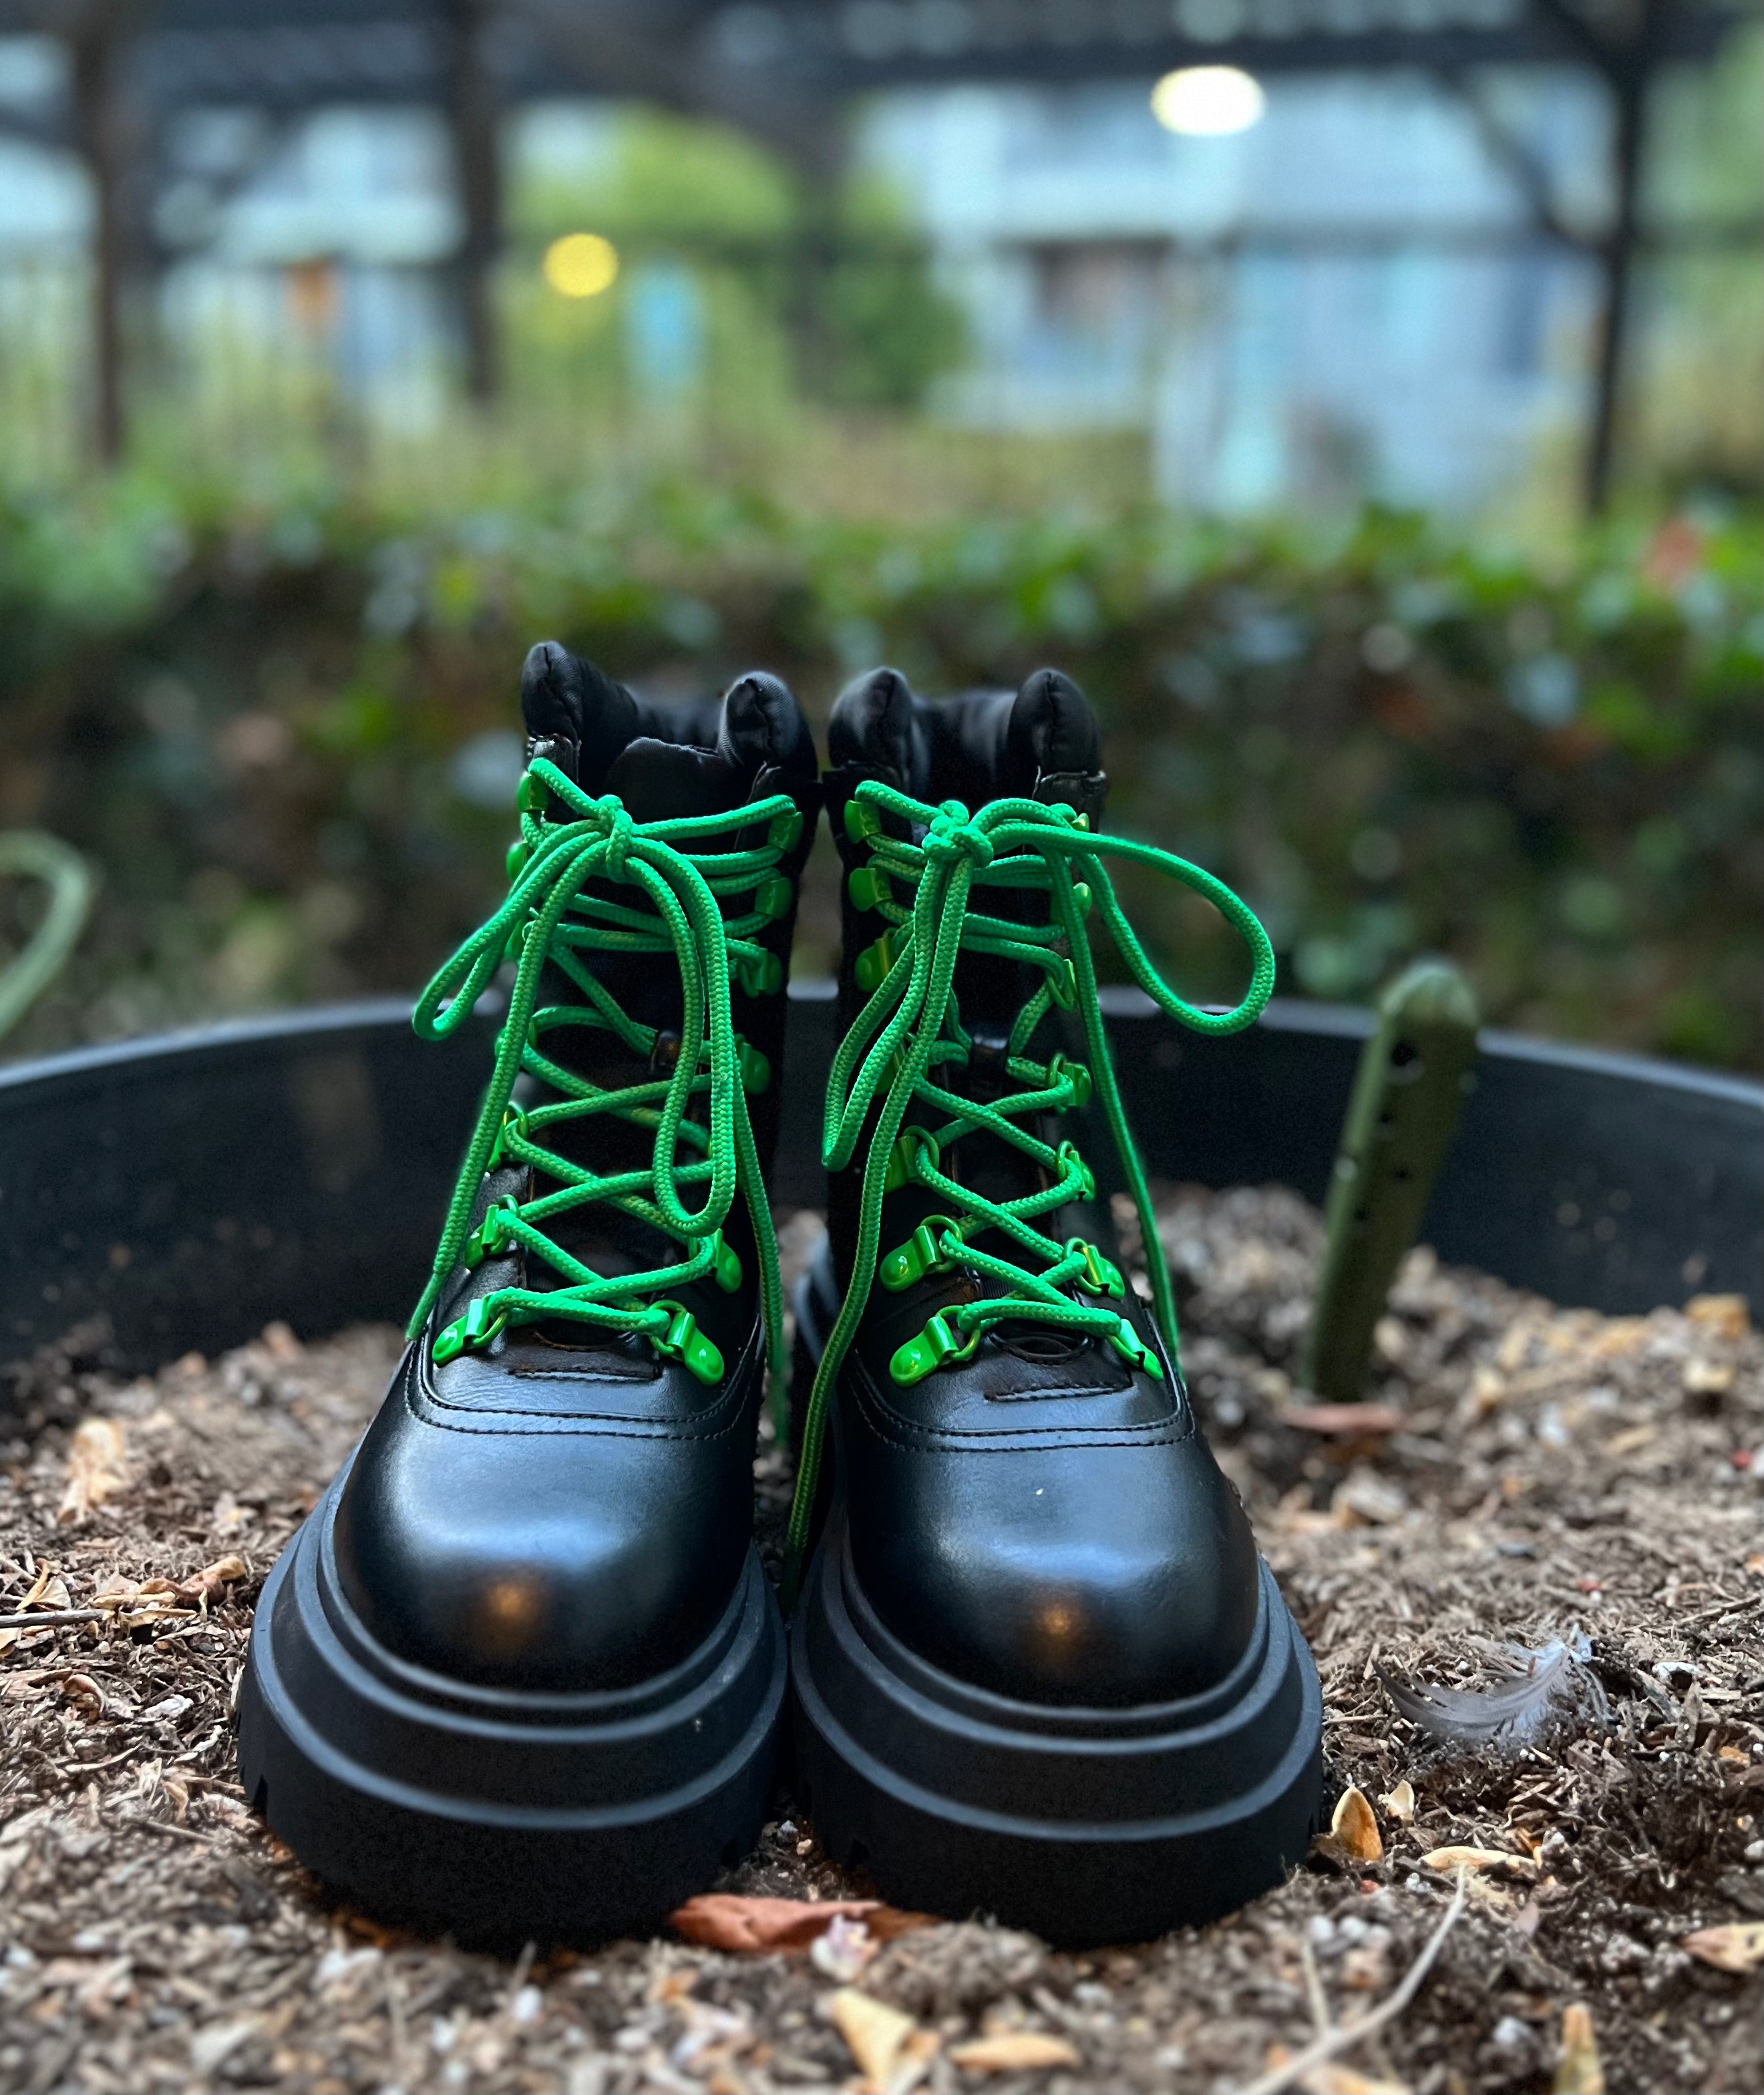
{"x": 581, "y": 265}
{"x": 1208, "y": 101}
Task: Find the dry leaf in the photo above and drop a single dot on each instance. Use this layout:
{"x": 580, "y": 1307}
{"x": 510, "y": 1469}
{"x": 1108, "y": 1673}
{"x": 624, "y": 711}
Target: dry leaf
{"x": 1446, "y": 1860}
{"x": 1578, "y": 2069}
{"x": 874, "y": 2035}
{"x": 1013, "y": 2051}
{"x": 224, "y": 1571}
{"x": 1355, "y": 1828}
{"x": 1724, "y": 1315}
{"x": 719, "y": 1920}
{"x": 1737, "y": 1947}
{"x": 97, "y": 1468}
{"x": 1349, "y": 1418}
{"x": 1400, "y": 1804}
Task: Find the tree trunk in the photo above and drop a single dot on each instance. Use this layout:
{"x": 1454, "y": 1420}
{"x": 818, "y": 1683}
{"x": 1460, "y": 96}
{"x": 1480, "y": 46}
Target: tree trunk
{"x": 99, "y": 124}
{"x": 472, "y": 115}
{"x": 1630, "y": 88}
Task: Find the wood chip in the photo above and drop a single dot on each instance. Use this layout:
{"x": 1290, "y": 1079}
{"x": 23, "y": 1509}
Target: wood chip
{"x": 1332, "y": 2079}
{"x": 1355, "y": 1828}
{"x": 1737, "y": 1947}
{"x": 751, "y": 1927}
{"x": 875, "y": 2035}
{"x": 1013, "y": 2051}
{"x": 1446, "y": 1860}
{"x": 1399, "y": 1804}
{"x": 1724, "y": 1315}
{"x": 97, "y": 1468}
{"x": 1579, "y": 2070}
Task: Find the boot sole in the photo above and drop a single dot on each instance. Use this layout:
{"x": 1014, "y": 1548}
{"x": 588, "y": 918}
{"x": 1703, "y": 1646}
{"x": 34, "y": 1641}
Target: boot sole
{"x": 1084, "y": 1825}
{"x": 501, "y": 1814}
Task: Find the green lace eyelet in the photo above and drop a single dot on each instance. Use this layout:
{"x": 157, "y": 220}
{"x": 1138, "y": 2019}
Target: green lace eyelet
{"x": 935, "y": 1347}
{"x": 490, "y": 1236}
{"x": 785, "y": 831}
{"x": 683, "y": 1341}
{"x": 726, "y": 1263}
{"x": 862, "y": 822}
{"x": 1126, "y": 1342}
{"x": 904, "y": 1155}
{"x": 921, "y": 1253}
{"x": 867, "y": 887}
{"x": 1061, "y": 1069}
{"x": 872, "y": 965}
{"x": 756, "y": 1071}
{"x": 479, "y": 1326}
{"x": 772, "y": 898}
{"x": 531, "y": 794}
{"x": 1069, "y": 1162}
{"x": 515, "y": 861}
{"x": 514, "y": 1129}
{"x": 1062, "y": 985}
{"x": 760, "y": 974}
{"x": 1100, "y": 1276}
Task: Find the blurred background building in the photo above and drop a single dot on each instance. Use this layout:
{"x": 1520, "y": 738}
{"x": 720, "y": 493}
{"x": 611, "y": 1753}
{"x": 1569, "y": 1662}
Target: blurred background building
{"x": 1364, "y": 399}
{"x": 1434, "y": 251}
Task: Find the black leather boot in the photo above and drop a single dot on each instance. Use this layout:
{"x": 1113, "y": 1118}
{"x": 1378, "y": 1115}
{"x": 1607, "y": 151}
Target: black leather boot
{"x": 1039, "y": 1671}
{"x": 519, "y": 1673}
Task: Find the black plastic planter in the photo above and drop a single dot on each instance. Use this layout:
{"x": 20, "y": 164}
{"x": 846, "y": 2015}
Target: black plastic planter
{"x": 189, "y": 1189}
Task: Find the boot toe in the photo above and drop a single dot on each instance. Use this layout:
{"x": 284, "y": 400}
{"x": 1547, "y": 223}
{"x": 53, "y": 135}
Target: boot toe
{"x": 541, "y": 1561}
{"x": 1085, "y": 1581}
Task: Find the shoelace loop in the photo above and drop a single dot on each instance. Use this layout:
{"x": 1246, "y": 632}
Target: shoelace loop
{"x": 910, "y": 1024}
{"x": 683, "y": 871}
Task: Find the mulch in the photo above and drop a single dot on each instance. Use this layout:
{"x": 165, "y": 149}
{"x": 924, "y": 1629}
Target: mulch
{"x": 1526, "y": 1474}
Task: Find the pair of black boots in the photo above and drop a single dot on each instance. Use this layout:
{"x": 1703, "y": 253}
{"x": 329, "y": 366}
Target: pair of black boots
{"x": 521, "y": 1674}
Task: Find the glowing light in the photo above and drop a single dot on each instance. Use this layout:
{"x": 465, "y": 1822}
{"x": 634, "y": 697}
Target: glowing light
{"x": 1207, "y": 102}
{"x": 581, "y": 265}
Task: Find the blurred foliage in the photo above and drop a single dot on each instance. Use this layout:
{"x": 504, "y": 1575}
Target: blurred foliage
{"x": 799, "y": 292}
{"x": 1698, "y": 394}
{"x": 286, "y": 734}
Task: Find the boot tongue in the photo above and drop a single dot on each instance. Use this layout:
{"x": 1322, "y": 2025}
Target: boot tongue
{"x": 1050, "y": 730}
{"x": 661, "y": 780}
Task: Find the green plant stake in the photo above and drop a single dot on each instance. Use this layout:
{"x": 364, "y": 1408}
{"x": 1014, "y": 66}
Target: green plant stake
{"x": 1407, "y": 1095}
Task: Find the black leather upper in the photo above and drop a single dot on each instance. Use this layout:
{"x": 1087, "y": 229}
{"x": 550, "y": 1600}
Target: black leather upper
{"x": 563, "y": 1509}
{"x": 1042, "y": 1521}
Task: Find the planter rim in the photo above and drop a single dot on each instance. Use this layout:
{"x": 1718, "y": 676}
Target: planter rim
{"x": 1283, "y": 1015}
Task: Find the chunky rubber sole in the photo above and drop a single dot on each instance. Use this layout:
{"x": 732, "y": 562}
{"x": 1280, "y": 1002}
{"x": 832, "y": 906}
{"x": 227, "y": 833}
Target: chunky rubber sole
{"x": 1084, "y": 1825}
{"x": 497, "y": 1814}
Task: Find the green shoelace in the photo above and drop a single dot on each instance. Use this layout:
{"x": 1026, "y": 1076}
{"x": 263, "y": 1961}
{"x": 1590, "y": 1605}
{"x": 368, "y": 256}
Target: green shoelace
{"x": 911, "y": 1024}
{"x": 676, "y": 867}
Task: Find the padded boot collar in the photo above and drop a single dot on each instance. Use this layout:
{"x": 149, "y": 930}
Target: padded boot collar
{"x": 588, "y": 725}
{"x": 1040, "y": 743}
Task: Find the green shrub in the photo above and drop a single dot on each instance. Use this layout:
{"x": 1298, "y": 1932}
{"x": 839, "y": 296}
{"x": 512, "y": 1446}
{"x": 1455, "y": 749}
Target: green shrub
{"x": 277, "y": 731}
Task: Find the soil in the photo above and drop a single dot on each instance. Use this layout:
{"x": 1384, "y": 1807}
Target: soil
{"x": 1544, "y": 1474}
